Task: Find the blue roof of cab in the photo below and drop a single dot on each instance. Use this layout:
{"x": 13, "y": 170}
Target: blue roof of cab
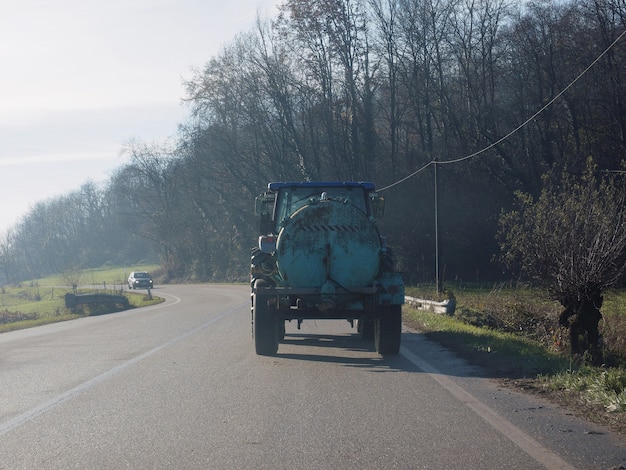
{"x": 368, "y": 186}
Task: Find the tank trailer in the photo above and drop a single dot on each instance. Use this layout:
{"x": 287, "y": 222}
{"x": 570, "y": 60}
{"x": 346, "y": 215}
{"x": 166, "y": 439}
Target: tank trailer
{"x": 320, "y": 256}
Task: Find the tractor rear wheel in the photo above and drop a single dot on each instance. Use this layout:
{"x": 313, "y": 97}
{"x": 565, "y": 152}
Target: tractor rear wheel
{"x": 265, "y": 326}
{"x": 388, "y": 330}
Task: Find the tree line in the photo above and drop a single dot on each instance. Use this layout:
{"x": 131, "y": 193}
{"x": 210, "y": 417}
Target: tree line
{"x": 359, "y": 90}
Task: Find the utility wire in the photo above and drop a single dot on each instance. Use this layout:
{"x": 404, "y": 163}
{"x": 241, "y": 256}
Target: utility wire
{"x": 514, "y": 131}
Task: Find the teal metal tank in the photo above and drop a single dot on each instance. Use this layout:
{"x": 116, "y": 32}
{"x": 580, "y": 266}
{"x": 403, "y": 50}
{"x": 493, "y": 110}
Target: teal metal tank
{"x": 328, "y": 240}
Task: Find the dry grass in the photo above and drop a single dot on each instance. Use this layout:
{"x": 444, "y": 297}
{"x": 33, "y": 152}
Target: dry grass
{"x": 528, "y": 313}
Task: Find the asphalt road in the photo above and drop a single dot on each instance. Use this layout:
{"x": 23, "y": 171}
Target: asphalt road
{"x": 178, "y": 385}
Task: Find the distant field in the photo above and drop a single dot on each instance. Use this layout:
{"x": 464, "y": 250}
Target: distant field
{"x": 41, "y": 301}
{"x": 111, "y": 276}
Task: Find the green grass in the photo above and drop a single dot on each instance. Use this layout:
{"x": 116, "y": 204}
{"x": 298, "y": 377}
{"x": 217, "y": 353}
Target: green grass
{"x": 109, "y": 276}
{"x": 38, "y": 321}
{"x": 31, "y": 299}
{"x": 500, "y": 354}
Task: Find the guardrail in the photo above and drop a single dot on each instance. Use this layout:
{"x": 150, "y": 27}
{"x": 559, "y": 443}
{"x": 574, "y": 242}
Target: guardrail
{"x": 447, "y": 306}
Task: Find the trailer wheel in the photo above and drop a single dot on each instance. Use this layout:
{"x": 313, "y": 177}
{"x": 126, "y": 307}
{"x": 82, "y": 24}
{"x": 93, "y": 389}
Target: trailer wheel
{"x": 388, "y": 330}
{"x": 366, "y": 329}
{"x": 265, "y": 326}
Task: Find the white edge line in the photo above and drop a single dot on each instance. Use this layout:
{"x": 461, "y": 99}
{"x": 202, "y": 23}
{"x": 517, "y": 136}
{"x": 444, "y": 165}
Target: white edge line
{"x": 533, "y": 448}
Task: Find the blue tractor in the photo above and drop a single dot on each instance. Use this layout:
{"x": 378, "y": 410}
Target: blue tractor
{"x": 320, "y": 256}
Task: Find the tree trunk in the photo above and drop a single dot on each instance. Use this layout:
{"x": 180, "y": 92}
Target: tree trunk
{"x": 582, "y": 318}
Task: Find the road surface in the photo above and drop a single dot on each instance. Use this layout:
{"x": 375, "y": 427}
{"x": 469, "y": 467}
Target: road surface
{"x": 178, "y": 385}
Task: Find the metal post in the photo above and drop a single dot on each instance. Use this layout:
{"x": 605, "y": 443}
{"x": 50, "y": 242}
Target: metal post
{"x": 437, "y": 283}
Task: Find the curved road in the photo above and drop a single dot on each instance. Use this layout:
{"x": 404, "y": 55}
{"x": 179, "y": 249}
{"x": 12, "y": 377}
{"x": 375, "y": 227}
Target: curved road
{"x": 178, "y": 386}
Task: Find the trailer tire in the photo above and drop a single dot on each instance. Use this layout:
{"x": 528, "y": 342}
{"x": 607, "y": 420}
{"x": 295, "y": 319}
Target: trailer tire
{"x": 388, "y": 330}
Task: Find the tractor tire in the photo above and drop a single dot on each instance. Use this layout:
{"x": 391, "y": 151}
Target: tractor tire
{"x": 265, "y": 326}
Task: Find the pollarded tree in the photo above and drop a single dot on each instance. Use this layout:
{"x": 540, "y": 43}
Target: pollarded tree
{"x": 571, "y": 241}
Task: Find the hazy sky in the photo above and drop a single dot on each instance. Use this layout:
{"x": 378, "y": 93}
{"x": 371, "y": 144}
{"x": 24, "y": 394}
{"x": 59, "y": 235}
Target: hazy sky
{"x": 80, "y": 78}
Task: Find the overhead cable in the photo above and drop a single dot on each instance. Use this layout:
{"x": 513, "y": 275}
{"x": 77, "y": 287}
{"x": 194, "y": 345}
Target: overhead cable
{"x": 518, "y": 128}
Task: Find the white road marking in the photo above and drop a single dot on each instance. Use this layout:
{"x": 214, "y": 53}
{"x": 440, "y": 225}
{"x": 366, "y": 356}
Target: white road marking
{"x": 533, "y": 448}
{"x": 31, "y": 414}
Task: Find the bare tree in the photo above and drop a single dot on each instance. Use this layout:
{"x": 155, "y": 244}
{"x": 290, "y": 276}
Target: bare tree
{"x": 572, "y": 241}
{"x": 151, "y": 199}
{"x": 8, "y": 262}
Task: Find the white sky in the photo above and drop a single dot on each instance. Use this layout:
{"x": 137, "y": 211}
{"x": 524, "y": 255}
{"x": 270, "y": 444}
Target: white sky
{"x": 80, "y": 78}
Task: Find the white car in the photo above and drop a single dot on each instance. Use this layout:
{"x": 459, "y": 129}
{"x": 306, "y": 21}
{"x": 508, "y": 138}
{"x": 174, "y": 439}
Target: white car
{"x": 140, "y": 280}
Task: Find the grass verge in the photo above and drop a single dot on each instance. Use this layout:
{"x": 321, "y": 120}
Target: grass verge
{"x": 29, "y": 321}
{"x": 500, "y": 354}
{"x": 511, "y": 335}
{"x": 42, "y": 301}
